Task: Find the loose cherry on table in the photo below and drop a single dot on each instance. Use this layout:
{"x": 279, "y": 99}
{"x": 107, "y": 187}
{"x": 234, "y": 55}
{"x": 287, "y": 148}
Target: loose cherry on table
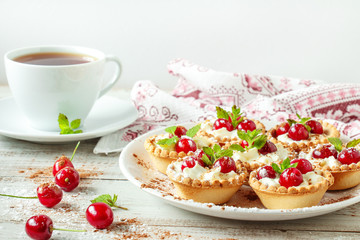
{"x": 67, "y": 179}
{"x": 41, "y": 227}
{"x": 185, "y": 145}
{"x": 283, "y": 128}
{"x": 190, "y": 162}
{"x": 325, "y": 151}
{"x": 298, "y": 132}
{"x": 266, "y": 172}
{"x": 315, "y": 126}
{"x": 303, "y": 165}
{"x": 226, "y": 164}
{"x": 64, "y": 161}
{"x": 349, "y": 156}
{"x": 247, "y": 125}
{"x": 48, "y": 195}
{"x": 99, "y": 215}
{"x": 291, "y": 177}
{"x": 268, "y": 147}
{"x": 223, "y": 123}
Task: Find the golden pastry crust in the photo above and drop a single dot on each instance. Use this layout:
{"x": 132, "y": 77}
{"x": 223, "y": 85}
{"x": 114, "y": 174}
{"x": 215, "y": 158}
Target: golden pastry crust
{"x": 226, "y": 139}
{"x": 329, "y": 131}
{"x": 345, "y": 176}
{"x": 293, "y": 197}
{"x": 161, "y": 158}
{"x": 207, "y": 191}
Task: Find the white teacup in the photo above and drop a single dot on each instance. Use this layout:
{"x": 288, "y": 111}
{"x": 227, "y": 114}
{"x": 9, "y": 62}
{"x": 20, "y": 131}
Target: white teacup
{"x": 44, "y": 91}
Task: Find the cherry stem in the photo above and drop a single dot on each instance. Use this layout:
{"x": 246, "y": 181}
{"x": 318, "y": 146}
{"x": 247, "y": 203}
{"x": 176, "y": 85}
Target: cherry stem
{"x": 124, "y": 208}
{"x": 66, "y": 230}
{"x": 77, "y": 145}
{"x": 5, "y": 195}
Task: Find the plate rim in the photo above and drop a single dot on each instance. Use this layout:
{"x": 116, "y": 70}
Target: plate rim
{"x": 291, "y": 214}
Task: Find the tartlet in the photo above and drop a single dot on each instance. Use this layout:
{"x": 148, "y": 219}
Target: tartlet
{"x": 204, "y": 183}
{"x": 307, "y": 194}
{"x": 163, "y": 155}
{"x": 313, "y": 138}
{"x": 346, "y": 175}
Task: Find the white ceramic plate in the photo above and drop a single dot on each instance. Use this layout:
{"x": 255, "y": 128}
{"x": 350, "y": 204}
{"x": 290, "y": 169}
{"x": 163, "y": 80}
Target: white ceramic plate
{"x": 135, "y": 164}
{"x": 108, "y": 115}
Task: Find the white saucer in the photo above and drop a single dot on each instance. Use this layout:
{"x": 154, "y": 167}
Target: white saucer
{"x": 108, "y": 115}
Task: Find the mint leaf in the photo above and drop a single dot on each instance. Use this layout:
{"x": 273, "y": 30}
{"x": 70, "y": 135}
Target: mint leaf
{"x": 66, "y": 127}
{"x": 284, "y": 165}
{"x": 353, "y": 143}
{"x": 206, "y": 160}
{"x": 224, "y": 153}
{"x": 171, "y": 130}
{"x": 216, "y": 148}
{"x": 106, "y": 198}
{"x": 291, "y": 122}
{"x": 237, "y": 147}
{"x": 166, "y": 142}
{"x": 215, "y": 153}
{"x": 276, "y": 168}
{"x": 336, "y": 142}
{"x": 221, "y": 113}
{"x": 253, "y": 138}
{"x": 192, "y": 131}
{"x": 260, "y": 141}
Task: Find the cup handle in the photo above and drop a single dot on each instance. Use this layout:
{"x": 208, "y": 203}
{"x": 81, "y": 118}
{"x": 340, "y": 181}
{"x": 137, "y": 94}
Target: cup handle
{"x": 116, "y": 76}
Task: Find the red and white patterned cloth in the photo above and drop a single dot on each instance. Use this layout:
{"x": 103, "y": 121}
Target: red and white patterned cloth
{"x": 266, "y": 98}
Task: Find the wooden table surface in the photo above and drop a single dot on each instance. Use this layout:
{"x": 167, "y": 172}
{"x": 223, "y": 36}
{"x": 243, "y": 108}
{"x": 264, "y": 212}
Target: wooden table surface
{"x": 24, "y": 165}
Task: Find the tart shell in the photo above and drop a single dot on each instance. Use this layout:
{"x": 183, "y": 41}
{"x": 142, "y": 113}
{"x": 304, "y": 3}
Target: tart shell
{"x": 293, "y": 197}
{"x": 205, "y": 191}
{"x": 161, "y": 158}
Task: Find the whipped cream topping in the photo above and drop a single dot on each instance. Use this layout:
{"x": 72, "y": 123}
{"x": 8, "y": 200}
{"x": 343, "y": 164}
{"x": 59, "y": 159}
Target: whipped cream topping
{"x": 285, "y": 138}
{"x": 201, "y": 173}
{"x": 200, "y": 141}
{"x": 222, "y": 132}
{"x": 310, "y": 178}
{"x": 330, "y": 161}
{"x": 253, "y": 155}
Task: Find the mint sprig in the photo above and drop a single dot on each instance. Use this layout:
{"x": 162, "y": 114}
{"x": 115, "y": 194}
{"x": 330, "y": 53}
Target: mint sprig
{"x": 215, "y": 153}
{"x": 166, "y": 142}
{"x": 301, "y": 120}
{"x": 234, "y": 116}
{"x": 253, "y": 138}
{"x": 284, "y": 165}
{"x": 337, "y": 143}
{"x": 106, "y": 198}
{"x": 67, "y": 127}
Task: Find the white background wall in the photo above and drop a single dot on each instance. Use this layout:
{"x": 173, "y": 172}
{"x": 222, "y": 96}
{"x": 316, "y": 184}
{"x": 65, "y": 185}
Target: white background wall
{"x": 314, "y": 39}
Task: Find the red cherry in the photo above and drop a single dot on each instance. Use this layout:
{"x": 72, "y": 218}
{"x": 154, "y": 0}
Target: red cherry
{"x": 244, "y": 143}
{"x": 67, "y": 179}
{"x": 246, "y": 125}
{"x": 223, "y": 123}
{"x": 61, "y": 163}
{"x": 99, "y": 215}
{"x": 316, "y": 126}
{"x": 269, "y": 147}
{"x": 298, "y": 132}
{"x": 266, "y": 172}
{"x": 179, "y": 131}
{"x": 303, "y": 165}
{"x": 190, "y": 162}
{"x": 325, "y": 151}
{"x": 185, "y": 145}
{"x": 291, "y": 177}
{"x": 199, "y": 153}
{"x": 282, "y": 129}
{"x": 349, "y": 155}
{"x": 39, "y": 227}
{"x": 49, "y": 194}
{"x": 226, "y": 164}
